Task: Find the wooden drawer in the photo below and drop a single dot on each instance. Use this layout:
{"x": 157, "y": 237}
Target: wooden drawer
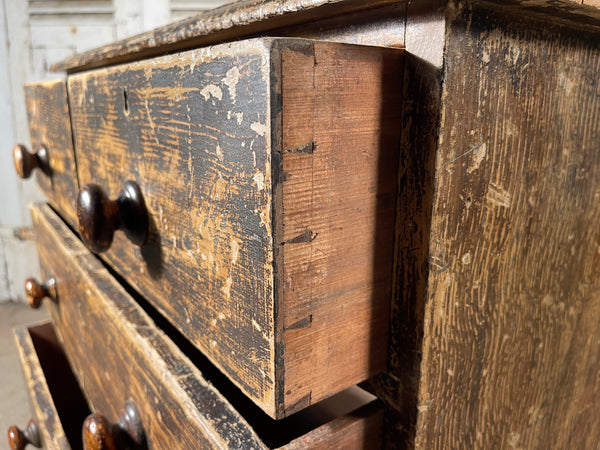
{"x": 50, "y": 128}
{"x": 55, "y": 397}
{"x": 269, "y": 170}
{"x": 118, "y": 353}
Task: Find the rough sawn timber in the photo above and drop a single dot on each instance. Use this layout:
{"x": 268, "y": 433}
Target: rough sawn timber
{"x": 511, "y": 343}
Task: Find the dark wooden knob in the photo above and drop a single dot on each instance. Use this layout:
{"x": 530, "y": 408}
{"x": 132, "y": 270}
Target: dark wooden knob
{"x": 99, "y": 217}
{"x": 26, "y": 161}
{"x": 18, "y": 439}
{"x": 99, "y": 434}
{"x": 36, "y": 292}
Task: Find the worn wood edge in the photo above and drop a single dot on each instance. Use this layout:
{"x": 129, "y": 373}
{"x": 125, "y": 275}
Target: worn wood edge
{"x": 46, "y": 83}
{"x": 38, "y": 391}
{"x": 231, "y": 21}
{"x": 566, "y": 12}
{"x": 132, "y": 321}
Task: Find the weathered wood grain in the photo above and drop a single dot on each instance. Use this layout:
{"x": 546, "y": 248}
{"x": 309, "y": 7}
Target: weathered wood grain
{"x": 237, "y": 20}
{"x": 118, "y": 353}
{"x": 49, "y": 124}
{"x": 198, "y": 134}
{"x": 339, "y": 141}
{"x": 511, "y": 340}
{"x": 55, "y": 398}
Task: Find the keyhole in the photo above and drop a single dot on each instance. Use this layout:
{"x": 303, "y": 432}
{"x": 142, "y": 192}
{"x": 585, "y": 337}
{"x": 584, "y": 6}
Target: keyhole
{"x": 125, "y": 103}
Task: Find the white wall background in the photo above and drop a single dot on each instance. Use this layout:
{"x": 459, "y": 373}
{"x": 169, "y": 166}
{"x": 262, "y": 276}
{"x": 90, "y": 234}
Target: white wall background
{"x": 33, "y": 35}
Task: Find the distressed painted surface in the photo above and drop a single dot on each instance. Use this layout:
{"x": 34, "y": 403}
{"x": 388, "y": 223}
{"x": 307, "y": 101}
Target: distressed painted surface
{"x": 49, "y": 124}
{"x": 195, "y": 133}
{"x": 193, "y": 130}
{"x": 511, "y": 346}
{"x": 118, "y": 353}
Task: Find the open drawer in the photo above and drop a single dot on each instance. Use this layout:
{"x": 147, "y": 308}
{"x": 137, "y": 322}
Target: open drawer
{"x": 56, "y": 401}
{"x": 119, "y": 354}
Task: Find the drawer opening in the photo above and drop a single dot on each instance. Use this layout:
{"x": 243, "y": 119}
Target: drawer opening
{"x": 69, "y": 401}
{"x": 354, "y": 401}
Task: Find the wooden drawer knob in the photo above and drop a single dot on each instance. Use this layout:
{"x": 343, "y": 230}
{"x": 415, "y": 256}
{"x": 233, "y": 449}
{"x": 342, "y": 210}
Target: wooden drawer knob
{"x": 36, "y": 292}
{"x": 99, "y": 434}
{"x": 18, "y": 439}
{"x": 99, "y": 217}
{"x": 25, "y": 161}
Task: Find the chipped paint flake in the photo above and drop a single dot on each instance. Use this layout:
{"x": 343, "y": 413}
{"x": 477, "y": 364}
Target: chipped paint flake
{"x": 235, "y": 251}
{"x": 212, "y": 91}
{"x": 227, "y": 288}
{"x": 232, "y": 77}
{"x": 259, "y": 179}
{"x": 498, "y": 196}
{"x": 259, "y": 128}
{"x": 219, "y": 152}
{"x": 477, "y": 157}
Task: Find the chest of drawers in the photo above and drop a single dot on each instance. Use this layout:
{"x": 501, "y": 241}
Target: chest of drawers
{"x": 280, "y": 202}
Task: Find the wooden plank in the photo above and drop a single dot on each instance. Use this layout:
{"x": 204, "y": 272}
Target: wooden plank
{"x": 210, "y": 116}
{"x": 118, "y": 353}
{"x": 235, "y": 20}
{"x": 346, "y": 432}
{"x": 56, "y": 401}
{"x": 340, "y": 134}
{"x": 511, "y": 338}
{"x": 49, "y": 124}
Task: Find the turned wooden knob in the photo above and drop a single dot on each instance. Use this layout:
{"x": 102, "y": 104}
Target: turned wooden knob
{"x": 25, "y": 161}
{"x": 18, "y": 439}
{"x": 99, "y": 434}
{"x": 36, "y": 292}
{"x": 99, "y": 217}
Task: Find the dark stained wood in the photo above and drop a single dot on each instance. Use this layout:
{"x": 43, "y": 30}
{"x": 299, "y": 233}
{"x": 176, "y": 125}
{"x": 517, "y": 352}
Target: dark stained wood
{"x": 237, "y": 20}
{"x": 19, "y": 439}
{"x": 118, "y": 353}
{"x": 510, "y": 353}
{"x": 56, "y": 402}
{"x": 126, "y": 434}
{"x": 26, "y": 162}
{"x": 97, "y": 433}
{"x": 209, "y": 262}
{"x": 98, "y": 217}
{"x": 50, "y": 128}
{"x": 35, "y": 292}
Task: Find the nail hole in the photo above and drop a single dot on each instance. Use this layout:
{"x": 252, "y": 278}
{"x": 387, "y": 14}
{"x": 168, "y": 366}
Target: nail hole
{"x": 125, "y": 103}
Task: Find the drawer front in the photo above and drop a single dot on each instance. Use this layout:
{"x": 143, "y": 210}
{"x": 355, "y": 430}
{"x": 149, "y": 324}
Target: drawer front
{"x": 118, "y": 353}
{"x": 269, "y": 171}
{"x": 49, "y": 125}
{"x": 55, "y": 398}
